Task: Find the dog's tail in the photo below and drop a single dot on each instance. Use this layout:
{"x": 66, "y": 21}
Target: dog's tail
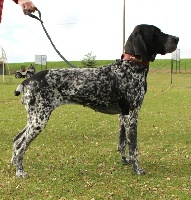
{"x": 19, "y": 89}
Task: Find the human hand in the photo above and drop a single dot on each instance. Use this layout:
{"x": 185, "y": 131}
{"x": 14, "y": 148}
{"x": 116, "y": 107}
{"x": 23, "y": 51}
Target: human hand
{"x": 27, "y": 5}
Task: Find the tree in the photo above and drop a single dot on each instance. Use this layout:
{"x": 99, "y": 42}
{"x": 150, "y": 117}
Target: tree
{"x": 89, "y": 60}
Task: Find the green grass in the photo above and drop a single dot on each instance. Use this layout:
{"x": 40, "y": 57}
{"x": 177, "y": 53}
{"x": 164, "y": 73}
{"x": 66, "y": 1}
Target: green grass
{"x": 164, "y": 65}
{"x": 75, "y": 157}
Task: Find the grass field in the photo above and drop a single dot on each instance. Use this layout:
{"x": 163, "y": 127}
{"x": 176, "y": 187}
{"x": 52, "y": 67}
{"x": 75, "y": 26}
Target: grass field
{"x": 75, "y": 157}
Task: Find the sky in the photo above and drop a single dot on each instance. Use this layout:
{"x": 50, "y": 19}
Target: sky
{"x": 78, "y": 27}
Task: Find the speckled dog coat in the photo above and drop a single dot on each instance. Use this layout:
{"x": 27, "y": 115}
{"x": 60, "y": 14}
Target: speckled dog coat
{"x": 118, "y": 88}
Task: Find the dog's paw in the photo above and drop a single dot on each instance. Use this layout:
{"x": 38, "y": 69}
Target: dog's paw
{"x": 139, "y": 171}
{"x": 21, "y": 174}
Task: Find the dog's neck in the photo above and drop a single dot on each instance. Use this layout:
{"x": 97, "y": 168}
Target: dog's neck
{"x": 133, "y": 58}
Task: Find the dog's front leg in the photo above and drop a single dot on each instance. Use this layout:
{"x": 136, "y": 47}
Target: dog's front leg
{"x": 130, "y": 125}
{"x": 122, "y": 139}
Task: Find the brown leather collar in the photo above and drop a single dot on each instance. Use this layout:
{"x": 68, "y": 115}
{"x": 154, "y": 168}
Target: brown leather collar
{"x": 133, "y": 58}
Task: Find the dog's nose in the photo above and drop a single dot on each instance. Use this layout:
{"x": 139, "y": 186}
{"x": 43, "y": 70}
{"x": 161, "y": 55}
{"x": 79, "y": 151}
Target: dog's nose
{"x": 176, "y": 39}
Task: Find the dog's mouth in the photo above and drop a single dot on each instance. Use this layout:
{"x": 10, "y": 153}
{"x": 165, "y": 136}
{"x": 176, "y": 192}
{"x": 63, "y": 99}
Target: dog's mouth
{"x": 170, "y": 49}
{"x": 174, "y": 47}
{"x": 172, "y": 44}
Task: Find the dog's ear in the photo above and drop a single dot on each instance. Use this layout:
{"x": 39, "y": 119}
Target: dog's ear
{"x": 140, "y": 47}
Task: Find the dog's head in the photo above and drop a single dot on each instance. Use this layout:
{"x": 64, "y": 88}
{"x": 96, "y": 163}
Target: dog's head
{"x": 147, "y": 41}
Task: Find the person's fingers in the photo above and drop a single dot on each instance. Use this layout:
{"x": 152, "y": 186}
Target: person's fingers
{"x": 28, "y": 6}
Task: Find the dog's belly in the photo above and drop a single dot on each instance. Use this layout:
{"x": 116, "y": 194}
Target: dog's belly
{"x": 104, "y": 104}
{"x": 103, "y": 108}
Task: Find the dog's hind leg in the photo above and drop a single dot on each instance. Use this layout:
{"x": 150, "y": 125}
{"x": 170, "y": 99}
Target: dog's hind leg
{"x": 13, "y": 159}
{"x": 37, "y": 120}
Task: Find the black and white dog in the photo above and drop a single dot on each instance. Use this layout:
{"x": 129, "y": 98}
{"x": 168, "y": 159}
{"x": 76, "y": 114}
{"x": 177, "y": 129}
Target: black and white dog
{"x": 118, "y": 88}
